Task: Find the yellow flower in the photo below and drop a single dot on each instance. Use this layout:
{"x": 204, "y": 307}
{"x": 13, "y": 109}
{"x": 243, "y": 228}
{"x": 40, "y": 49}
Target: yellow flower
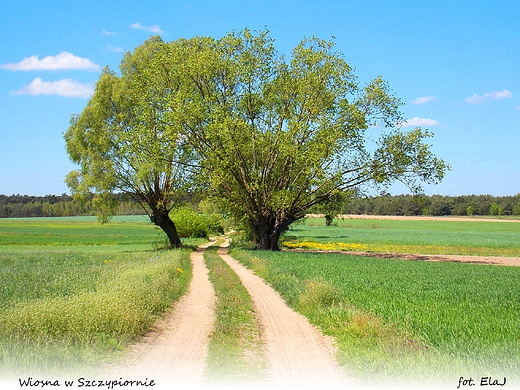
{"x": 180, "y": 270}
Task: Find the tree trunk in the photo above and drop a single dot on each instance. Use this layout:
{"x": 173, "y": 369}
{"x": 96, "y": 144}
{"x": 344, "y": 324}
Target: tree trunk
{"x": 268, "y": 230}
{"x": 328, "y": 219}
{"x": 163, "y": 220}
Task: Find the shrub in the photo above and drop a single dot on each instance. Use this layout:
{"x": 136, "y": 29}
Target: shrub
{"x": 194, "y": 225}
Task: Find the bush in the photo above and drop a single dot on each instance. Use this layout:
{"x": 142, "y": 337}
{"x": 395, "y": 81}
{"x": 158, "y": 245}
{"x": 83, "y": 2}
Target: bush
{"x": 194, "y": 225}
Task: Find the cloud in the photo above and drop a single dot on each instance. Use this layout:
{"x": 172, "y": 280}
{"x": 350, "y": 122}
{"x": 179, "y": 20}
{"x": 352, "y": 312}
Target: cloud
{"x": 66, "y": 87}
{"x": 420, "y": 122}
{"x": 63, "y": 60}
{"x": 107, "y": 33}
{"x": 154, "y": 28}
{"x": 116, "y": 49}
{"x": 488, "y": 96}
{"x": 424, "y": 99}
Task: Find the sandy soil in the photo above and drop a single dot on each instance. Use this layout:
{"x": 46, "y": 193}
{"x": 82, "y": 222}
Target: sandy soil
{"x": 421, "y": 218}
{"x": 174, "y": 352}
{"x": 297, "y": 353}
{"x": 490, "y": 260}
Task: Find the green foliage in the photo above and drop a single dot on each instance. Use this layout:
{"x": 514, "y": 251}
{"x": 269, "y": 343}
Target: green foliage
{"x": 433, "y": 205}
{"x": 191, "y": 224}
{"x": 270, "y": 137}
{"x": 125, "y": 139}
{"x": 276, "y": 137}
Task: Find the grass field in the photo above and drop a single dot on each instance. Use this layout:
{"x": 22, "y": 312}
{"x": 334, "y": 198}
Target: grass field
{"x": 74, "y": 292}
{"x": 408, "y": 236}
{"x": 396, "y": 318}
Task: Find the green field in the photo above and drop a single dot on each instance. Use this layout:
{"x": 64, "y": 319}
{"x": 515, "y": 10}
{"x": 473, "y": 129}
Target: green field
{"x": 409, "y": 236}
{"x": 406, "y": 319}
{"x": 75, "y": 292}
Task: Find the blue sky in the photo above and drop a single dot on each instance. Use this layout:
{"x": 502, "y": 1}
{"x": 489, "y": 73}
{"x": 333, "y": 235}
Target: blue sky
{"x": 456, "y": 65}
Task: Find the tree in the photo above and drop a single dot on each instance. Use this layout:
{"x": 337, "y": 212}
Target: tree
{"x": 333, "y": 206}
{"x": 277, "y": 137}
{"x": 125, "y": 139}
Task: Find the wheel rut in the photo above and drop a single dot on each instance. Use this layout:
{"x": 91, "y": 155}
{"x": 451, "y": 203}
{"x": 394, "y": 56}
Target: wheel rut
{"x": 297, "y": 353}
{"x": 174, "y": 353}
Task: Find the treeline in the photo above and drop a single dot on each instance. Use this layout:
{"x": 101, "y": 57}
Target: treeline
{"x": 435, "y": 205}
{"x": 21, "y": 206}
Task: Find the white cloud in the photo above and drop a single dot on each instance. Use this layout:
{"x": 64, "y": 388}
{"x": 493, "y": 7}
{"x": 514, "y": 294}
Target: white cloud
{"x": 154, "y": 28}
{"x": 488, "y": 96}
{"x": 423, "y": 99}
{"x": 63, "y": 60}
{"x": 107, "y": 33}
{"x": 116, "y": 49}
{"x": 420, "y": 122}
{"x": 64, "y": 87}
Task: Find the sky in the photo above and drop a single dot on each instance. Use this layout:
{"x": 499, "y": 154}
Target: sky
{"x": 455, "y": 65}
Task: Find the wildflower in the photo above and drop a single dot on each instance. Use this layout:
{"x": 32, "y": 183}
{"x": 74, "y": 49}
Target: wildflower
{"x": 180, "y": 270}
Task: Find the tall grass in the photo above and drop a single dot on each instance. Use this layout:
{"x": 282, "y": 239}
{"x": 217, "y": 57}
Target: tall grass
{"x": 69, "y": 306}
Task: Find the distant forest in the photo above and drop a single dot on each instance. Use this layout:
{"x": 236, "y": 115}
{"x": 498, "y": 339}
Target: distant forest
{"x": 435, "y": 205}
{"x": 20, "y": 206}
{"x": 16, "y": 206}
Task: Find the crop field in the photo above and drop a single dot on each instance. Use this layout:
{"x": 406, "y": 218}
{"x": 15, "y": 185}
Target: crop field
{"x": 397, "y": 318}
{"x": 74, "y": 291}
{"x": 408, "y": 236}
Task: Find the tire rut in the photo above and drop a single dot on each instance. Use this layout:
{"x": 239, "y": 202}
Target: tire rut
{"x": 297, "y": 353}
{"x": 175, "y": 352}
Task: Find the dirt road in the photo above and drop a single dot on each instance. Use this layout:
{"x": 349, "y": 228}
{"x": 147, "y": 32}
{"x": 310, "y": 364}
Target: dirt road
{"x": 298, "y": 354}
{"x": 174, "y": 353}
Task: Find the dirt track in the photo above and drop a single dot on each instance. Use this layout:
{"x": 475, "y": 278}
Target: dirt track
{"x": 421, "y": 218}
{"x": 298, "y": 354}
{"x": 174, "y": 353}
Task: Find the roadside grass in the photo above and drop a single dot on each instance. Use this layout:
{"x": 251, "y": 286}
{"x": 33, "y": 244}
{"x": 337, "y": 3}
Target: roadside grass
{"x": 77, "y": 300}
{"x": 479, "y": 238}
{"x": 404, "y": 320}
{"x": 235, "y": 349}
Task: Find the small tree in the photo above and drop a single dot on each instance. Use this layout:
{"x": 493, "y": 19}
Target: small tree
{"x": 333, "y": 206}
{"x": 276, "y": 138}
{"x": 125, "y": 140}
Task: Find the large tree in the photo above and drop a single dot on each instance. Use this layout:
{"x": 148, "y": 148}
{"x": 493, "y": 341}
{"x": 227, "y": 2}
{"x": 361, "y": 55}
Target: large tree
{"x": 125, "y": 140}
{"x": 277, "y": 136}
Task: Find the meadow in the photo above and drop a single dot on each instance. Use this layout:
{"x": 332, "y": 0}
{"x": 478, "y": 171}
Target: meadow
{"x": 480, "y": 238}
{"x": 75, "y": 292}
{"x": 405, "y": 319}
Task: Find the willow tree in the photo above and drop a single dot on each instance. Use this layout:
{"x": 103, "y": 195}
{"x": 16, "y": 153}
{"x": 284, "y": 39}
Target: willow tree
{"x": 276, "y": 137}
{"x": 125, "y": 141}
